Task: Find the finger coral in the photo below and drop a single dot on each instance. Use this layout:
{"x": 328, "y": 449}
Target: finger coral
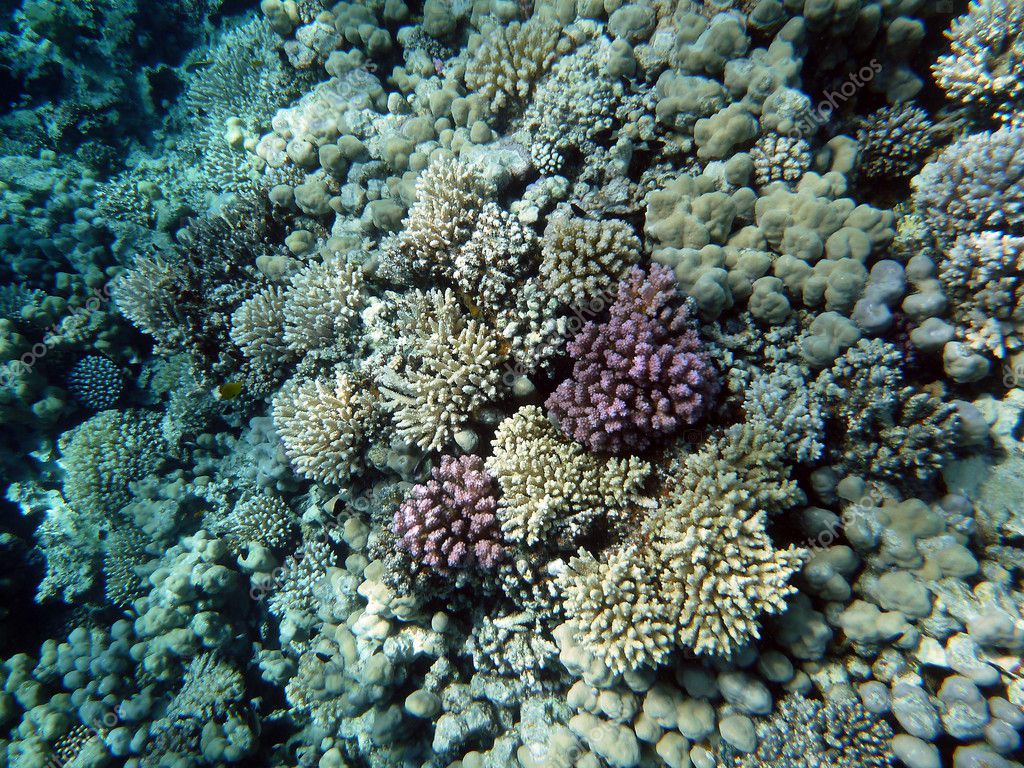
{"x": 450, "y": 521}
{"x": 639, "y": 377}
{"x": 983, "y": 67}
{"x": 539, "y": 503}
{"x": 324, "y": 424}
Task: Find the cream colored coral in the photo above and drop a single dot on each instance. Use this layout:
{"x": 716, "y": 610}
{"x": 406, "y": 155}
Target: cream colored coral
{"x": 584, "y": 258}
{"x": 449, "y": 197}
{"x": 322, "y": 303}
{"x": 323, "y": 424}
{"x": 548, "y": 481}
{"x": 617, "y": 608}
{"x": 511, "y": 59}
{"x": 257, "y": 327}
{"x": 703, "y": 569}
{"x": 455, "y": 367}
{"x": 720, "y": 567}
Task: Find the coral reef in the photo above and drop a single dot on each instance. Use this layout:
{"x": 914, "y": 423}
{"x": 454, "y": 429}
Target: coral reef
{"x": 511, "y": 384}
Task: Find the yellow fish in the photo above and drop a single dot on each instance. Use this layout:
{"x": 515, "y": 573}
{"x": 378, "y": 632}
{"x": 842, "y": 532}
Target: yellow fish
{"x": 228, "y": 391}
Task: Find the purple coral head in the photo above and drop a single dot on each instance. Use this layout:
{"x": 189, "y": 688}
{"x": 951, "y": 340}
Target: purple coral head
{"x": 451, "y": 520}
{"x": 641, "y": 375}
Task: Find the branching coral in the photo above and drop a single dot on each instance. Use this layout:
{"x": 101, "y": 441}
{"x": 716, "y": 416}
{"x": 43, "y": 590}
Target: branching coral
{"x": 551, "y": 485}
{"x": 704, "y": 569}
{"x": 983, "y": 67}
{"x": 450, "y": 521}
{"x": 639, "y": 377}
{"x": 324, "y": 425}
{"x": 894, "y": 142}
{"x": 780, "y": 158}
{"x": 581, "y": 259}
{"x": 104, "y": 455}
{"x": 882, "y": 426}
{"x": 449, "y": 197}
{"x": 511, "y": 59}
{"x": 975, "y": 184}
{"x": 257, "y": 328}
{"x": 804, "y": 733}
{"x": 186, "y": 302}
{"x": 454, "y": 367}
{"x": 321, "y": 304}
{"x": 982, "y": 276}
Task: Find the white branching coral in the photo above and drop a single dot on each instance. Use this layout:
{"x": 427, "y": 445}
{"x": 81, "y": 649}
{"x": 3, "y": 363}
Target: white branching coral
{"x": 982, "y": 275}
{"x": 617, "y": 608}
{"x": 549, "y": 483}
{"x": 257, "y": 327}
{"x": 324, "y": 425}
{"x": 572, "y": 105}
{"x": 102, "y": 456}
{"x": 449, "y": 197}
{"x": 703, "y": 569}
{"x": 321, "y": 303}
{"x": 144, "y": 295}
{"x": 986, "y": 57}
{"x": 720, "y": 566}
{"x": 511, "y": 59}
{"x": 498, "y": 252}
{"x": 585, "y": 258}
{"x": 454, "y": 367}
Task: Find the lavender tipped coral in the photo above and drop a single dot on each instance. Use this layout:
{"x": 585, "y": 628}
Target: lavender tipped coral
{"x": 640, "y": 376}
{"x": 451, "y": 520}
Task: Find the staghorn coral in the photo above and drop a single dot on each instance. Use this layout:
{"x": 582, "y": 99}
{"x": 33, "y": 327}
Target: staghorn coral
{"x": 324, "y": 425}
{"x": 973, "y": 185}
{"x": 639, "y": 377}
{"x": 321, "y": 304}
{"x": 883, "y": 427}
{"x": 704, "y": 568}
{"x": 581, "y": 259}
{"x": 453, "y": 367}
{"x": 449, "y": 522}
{"x": 983, "y": 67}
{"x": 981, "y": 275}
{"x": 540, "y": 504}
{"x": 894, "y": 142}
{"x": 511, "y": 59}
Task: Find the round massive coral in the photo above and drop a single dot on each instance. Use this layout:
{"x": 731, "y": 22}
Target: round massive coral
{"x": 641, "y": 375}
{"x": 451, "y": 520}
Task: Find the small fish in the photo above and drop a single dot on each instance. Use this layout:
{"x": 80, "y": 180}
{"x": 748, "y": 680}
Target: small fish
{"x": 228, "y": 391}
